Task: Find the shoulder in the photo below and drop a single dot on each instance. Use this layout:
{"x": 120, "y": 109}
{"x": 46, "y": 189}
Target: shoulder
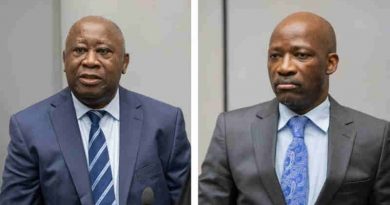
{"x": 360, "y": 118}
{"x": 238, "y": 122}
{"x": 363, "y": 117}
{"x": 147, "y": 102}
{"x": 154, "y": 111}
{"x": 250, "y": 112}
{"x": 368, "y": 129}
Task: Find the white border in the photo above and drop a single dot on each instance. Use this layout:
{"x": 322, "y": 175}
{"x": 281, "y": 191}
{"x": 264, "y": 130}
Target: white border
{"x": 194, "y": 102}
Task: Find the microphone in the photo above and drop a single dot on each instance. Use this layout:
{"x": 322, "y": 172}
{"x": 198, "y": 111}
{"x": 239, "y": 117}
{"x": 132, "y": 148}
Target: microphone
{"x": 147, "y": 196}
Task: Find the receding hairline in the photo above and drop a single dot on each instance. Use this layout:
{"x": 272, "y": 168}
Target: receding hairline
{"x": 326, "y": 29}
{"x": 99, "y": 19}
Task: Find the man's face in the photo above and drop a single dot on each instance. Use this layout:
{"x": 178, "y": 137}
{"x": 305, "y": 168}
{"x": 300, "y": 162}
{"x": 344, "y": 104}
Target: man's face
{"x": 94, "y": 60}
{"x": 297, "y": 66}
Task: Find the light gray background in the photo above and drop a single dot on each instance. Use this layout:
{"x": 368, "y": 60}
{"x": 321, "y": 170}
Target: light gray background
{"x": 32, "y": 36}
{"x": 363, "y": 35}
{"x": 30, "y": 58}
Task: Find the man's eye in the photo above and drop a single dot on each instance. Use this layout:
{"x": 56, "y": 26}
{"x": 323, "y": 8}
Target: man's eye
{"x": 302, "y": 56}
{"x": 103, "y": 51}
{"x": 79, "y": 50}
{"x": 274, "y": 56}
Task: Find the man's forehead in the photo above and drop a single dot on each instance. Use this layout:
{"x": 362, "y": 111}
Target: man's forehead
{"x": 92, "y": 26}
{"x": 102, "y": 30}
{"x": 308, "y": 26}
{"x": 86, "y": 40}
{"x": 295, "y": 44}
{"x": 297, "y": 33}
{"x": 296, "y": 28}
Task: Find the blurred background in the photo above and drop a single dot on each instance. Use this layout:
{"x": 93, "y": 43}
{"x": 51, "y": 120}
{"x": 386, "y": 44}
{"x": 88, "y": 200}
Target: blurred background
{"x": 32, "y": 37}
{"x": 233, "y": 43}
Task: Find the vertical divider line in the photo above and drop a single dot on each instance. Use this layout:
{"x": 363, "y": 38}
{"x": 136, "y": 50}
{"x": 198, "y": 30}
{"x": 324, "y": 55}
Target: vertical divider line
{"x": 194, "y": 101}
{"x": 225, "y": 55}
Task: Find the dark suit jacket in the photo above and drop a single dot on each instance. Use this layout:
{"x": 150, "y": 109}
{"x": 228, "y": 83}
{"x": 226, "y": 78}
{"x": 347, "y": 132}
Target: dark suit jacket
{"x": 240, "y": 164}
{"x": 46, "y": 163}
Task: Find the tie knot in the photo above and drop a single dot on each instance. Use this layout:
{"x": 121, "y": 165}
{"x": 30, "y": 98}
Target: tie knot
{"x": 297, "y": 125}
{"x": 95, "y": 116}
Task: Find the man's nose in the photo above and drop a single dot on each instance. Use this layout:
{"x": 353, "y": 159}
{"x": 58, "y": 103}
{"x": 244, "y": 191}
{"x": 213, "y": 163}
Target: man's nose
{"x": 287, "y": 67}
{"x": 90, "y": 60}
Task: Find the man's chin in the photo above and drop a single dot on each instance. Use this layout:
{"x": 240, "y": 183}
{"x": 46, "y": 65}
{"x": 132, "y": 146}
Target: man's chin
{"x": 292, "y": 102}
{"x": 91, "y": 92}
{"x": 94, "y": 98}
{"x": 88, "y": 95}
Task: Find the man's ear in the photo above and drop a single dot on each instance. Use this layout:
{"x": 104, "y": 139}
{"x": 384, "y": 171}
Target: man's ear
{"x": 126, "y": 62}
{"x": 333, "y": 60}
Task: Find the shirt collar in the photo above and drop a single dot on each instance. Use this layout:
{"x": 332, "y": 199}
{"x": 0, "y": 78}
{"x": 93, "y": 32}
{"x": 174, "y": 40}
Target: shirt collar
{"x": 319, "y": 115}
{"x": 112, "y": 108}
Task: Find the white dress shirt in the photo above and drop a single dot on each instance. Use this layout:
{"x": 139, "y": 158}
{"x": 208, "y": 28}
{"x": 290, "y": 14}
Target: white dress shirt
{"x": 110, "y": 126}
{"x": 316, "y": 140}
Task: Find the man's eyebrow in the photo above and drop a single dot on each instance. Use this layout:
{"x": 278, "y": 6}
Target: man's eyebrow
{"x": 98, "y": 42}
{"x": 104, "y": 41}
{"x": 306, "y": 48}
{"x": 275, "y": 48}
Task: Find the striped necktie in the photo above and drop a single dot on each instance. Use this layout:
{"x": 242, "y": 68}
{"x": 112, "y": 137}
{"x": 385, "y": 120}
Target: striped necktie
{"x": 295, "y": 179}
{"x": 100, "y": 175}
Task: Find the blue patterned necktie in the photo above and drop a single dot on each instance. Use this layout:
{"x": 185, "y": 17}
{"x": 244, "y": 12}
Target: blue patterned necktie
{"x": 100, "y": 175}
{"x": 295, "y": 179}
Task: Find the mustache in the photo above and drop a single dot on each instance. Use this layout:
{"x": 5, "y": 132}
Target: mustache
{"x": 282, "y": 80}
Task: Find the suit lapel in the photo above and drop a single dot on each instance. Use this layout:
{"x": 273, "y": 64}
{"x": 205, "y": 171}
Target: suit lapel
{"x": 131, "y": 118}
{"x": 263, "y": 131}
{"x": 64, "y": 120}
{"x": 341, "y": 137}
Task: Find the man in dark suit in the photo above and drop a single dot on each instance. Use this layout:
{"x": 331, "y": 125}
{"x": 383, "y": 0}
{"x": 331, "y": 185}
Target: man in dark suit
{"x": 96, "y": 142}
{"x": 302, "y": 147}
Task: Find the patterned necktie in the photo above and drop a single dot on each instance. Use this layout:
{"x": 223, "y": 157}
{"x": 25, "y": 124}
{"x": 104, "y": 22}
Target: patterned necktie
{"x": 99, "y": 164}
{"x": 295, "y": 179}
